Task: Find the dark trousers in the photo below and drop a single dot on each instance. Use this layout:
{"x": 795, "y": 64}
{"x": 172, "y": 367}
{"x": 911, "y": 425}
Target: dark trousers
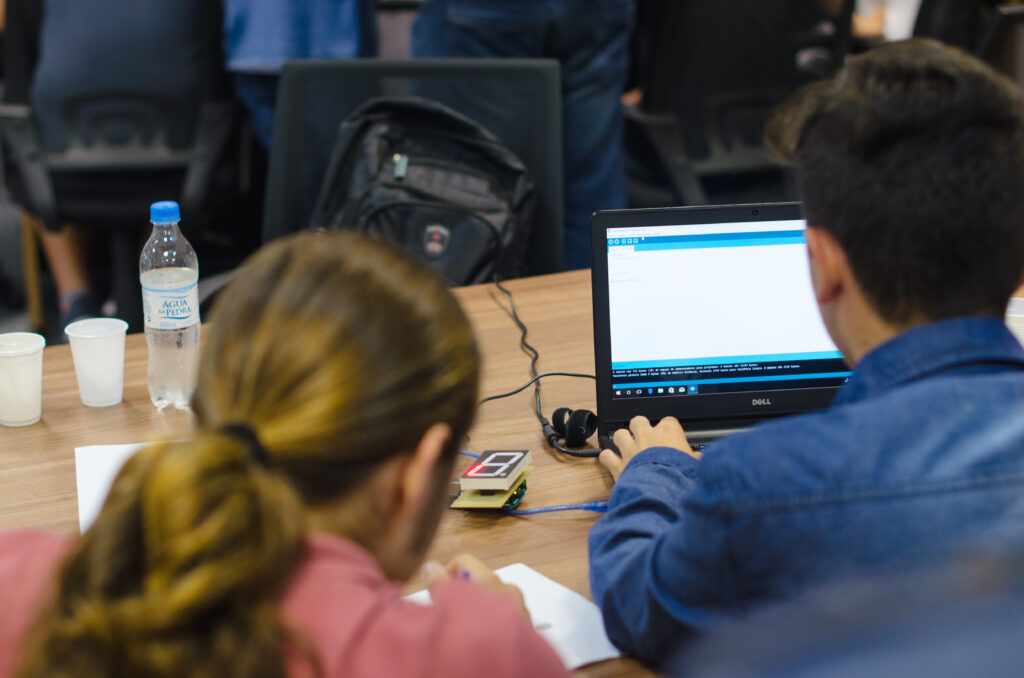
{"x": 591, "y": 40}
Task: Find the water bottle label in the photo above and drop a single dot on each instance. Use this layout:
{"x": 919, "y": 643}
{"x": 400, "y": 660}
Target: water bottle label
{"x": 173, "y": 309}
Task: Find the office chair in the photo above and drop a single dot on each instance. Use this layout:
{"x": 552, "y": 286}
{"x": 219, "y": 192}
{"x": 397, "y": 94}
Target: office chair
{"x": 715, "y": 73}
{"x": 97, "y": 139}
{"x": 516, "y": 99}
{"x": 1000, "y": 43}
{"x": 954, "y": 22}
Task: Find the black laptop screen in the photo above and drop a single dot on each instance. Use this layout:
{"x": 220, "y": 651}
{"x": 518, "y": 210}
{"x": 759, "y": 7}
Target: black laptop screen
{"x": 716, "y": 308}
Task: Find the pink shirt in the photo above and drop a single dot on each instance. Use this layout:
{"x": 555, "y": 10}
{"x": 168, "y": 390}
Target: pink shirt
{"x": 342, "y": 602}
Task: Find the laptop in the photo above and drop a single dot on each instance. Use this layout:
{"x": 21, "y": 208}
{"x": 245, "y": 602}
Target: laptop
{"x": 707, "y": 314}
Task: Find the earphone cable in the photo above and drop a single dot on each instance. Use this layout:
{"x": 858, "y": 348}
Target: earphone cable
{"x": 547, "y": 430}
{"x": 526, "y": 346}
{"x": 527, "y": 385}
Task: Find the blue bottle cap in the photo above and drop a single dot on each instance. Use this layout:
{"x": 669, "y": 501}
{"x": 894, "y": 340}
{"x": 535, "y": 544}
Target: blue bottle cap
{"x": 164, "y": 212}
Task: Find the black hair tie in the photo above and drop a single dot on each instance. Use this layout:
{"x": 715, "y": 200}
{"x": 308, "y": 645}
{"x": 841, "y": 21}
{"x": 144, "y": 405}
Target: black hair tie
{"x": 244, "y": 433}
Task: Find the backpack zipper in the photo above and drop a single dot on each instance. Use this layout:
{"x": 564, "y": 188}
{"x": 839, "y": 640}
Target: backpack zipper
{"x": 402, "y": 162}
{"x": 401, "y": 165}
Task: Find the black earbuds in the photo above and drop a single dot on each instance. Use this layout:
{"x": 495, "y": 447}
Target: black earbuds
{"x": 575, "y": 426}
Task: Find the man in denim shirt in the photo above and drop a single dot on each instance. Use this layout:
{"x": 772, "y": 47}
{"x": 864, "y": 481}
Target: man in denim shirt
{"x": 911, "y": 162}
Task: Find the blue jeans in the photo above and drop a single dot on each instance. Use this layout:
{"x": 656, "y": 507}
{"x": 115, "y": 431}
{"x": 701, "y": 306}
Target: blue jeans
{"x": 591, "y": 40}
{"x": 260, "y": 35}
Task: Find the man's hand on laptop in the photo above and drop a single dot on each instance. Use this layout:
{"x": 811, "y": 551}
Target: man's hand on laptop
{"x": 641, "y": 436}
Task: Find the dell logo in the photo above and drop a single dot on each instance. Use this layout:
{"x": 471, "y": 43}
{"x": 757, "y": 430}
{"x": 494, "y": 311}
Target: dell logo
{"x": 756, "y": 402}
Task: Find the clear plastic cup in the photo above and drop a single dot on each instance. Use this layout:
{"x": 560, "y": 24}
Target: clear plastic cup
{"x": 21, "y": 378}
{"x": 97, "y": 348}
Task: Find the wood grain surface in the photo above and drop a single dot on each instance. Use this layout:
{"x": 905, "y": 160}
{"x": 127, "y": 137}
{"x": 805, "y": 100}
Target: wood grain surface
{"x": 37, "y": 467}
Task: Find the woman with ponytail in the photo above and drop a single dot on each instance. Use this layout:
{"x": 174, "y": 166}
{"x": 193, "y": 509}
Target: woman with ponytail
{"x": 336, "y": 382}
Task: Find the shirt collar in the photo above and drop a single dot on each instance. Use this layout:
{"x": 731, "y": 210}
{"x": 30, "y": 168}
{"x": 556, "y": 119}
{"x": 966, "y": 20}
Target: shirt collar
{"x": 927, "y": 349}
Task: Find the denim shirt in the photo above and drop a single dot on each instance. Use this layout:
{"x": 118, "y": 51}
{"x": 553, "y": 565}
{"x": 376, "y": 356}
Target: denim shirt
{"x": 920, "y": 458}
{"x": 260, "y": 35}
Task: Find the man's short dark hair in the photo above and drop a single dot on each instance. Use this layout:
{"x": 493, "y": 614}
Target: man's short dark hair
{"x": 912, "y": 157}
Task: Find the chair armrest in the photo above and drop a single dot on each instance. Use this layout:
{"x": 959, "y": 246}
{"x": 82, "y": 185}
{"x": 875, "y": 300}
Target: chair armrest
{"x": 18, "y": 135}
{"x": 663, "y": 133}
{"x": 14, "y": 111}
{"x": 216, "y": 121}
{"x": 648, "y": 118}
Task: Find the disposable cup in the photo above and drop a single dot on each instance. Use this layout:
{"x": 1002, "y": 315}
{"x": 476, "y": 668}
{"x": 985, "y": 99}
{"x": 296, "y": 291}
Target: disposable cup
{"x": 21, "y": 378}
{"x": 97, "y": 348}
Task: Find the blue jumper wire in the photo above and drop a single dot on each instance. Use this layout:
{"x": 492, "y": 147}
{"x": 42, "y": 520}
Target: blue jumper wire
{"x": 595, "y": 506}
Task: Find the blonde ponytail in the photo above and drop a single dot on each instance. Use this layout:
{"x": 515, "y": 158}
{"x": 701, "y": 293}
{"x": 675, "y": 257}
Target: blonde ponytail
{"x": 180, "y": 574}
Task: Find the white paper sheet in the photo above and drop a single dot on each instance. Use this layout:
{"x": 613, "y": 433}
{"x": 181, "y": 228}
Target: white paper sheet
{"x": 96, "y": 466}
{"x": 570, "y": 622}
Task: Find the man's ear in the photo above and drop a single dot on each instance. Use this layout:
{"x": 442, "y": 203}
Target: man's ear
{"x": 418, "y": 473}
{"x": 828, "y": 264}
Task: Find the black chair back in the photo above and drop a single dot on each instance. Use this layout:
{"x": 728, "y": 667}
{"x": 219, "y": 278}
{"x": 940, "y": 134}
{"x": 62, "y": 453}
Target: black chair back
{"x": 955, "y": 22}
{"x": 1001, "y": 43}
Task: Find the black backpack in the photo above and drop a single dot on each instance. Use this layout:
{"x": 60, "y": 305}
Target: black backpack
{"x": 416, "y": 173}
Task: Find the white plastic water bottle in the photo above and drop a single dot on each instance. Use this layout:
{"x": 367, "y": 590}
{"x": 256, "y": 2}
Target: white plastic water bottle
{"x": 169, "y": 273}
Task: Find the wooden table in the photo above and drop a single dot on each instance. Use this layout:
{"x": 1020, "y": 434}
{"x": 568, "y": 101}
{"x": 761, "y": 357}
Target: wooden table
{"x": 37, "y": 468}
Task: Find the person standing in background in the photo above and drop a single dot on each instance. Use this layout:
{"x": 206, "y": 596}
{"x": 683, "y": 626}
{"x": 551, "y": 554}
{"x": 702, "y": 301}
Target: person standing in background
{"x": 591, "y": 40}
{"x": 260, "y": 35}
